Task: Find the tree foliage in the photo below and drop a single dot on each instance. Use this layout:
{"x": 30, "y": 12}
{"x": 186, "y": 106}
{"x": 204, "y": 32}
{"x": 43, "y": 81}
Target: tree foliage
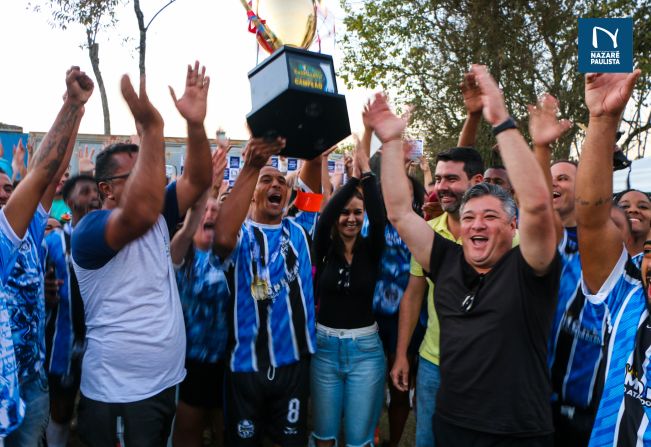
{"x": 420, "y": 49}
{"x": 94, "y": 16}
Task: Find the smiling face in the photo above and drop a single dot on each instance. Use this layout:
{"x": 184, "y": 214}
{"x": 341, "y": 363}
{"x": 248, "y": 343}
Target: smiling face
{"x": 6, "y": 188}
{"x": 84, "y": 198}
{"x": 451, "y": 182}
{"x": 498, "y": 177}
{"x": 638, "y": 210}
{"x": 351, "y": 219}
{"x": 486, "y": 231}
{"x": 563, "y": 179}
{"x": 269, "y": 196}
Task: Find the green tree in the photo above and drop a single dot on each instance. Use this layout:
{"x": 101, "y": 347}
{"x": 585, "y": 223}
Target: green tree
{"x": 420, "y": 49}
{"x": 94, "y": 16}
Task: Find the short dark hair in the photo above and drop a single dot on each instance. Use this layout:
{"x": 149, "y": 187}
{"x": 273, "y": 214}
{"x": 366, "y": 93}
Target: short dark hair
{"x": 69, "y": 185}
{"x": 105, "y": 165}
{"x": 488, "y": 189}
{"x": 496, "y": 166}
{"x": 619, "y": 195}
{"x": 470, "y": 157}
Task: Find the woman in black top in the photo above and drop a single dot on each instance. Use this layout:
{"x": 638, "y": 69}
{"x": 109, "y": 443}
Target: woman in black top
{"x": 348, "y": 369}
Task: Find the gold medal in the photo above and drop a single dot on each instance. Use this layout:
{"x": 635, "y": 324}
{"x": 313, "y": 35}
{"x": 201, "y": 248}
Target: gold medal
{"x": 259, "y": 288}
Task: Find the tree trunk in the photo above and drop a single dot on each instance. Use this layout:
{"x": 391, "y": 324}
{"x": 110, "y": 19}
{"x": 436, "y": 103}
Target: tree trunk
{"x": 142, "y": 49}
{"x": 93, "y": 53}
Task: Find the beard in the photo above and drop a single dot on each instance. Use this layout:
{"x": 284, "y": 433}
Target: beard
{"x": 450, "y": 207}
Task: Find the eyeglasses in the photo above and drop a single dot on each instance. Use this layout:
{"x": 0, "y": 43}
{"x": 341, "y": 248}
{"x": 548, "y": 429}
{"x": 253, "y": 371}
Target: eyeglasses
{"x": 469, "y": 299}
{"x": 114, "y": 177}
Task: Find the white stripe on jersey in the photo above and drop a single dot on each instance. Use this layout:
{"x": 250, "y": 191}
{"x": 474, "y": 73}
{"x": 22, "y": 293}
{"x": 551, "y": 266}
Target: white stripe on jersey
{"x": 308, "y": 336}
{"x": 270, "y": 338}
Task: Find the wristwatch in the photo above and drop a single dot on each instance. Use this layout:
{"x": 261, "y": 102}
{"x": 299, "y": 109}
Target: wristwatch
{"x": 509, "y": 123}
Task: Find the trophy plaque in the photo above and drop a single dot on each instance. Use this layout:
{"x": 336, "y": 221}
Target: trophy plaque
{"x": 294, "y": 91}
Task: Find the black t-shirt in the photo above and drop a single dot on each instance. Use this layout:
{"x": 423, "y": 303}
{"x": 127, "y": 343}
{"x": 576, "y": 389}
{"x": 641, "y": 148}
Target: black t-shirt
{"x": 494, "y": 375}
{"x": 345, "y": 291}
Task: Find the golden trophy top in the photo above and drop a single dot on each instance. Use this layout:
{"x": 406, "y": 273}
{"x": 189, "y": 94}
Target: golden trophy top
{"x": 286, "y": 22}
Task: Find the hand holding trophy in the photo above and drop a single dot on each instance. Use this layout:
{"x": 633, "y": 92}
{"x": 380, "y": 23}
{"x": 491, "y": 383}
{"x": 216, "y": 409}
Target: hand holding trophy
{"x": 294, "y": 91}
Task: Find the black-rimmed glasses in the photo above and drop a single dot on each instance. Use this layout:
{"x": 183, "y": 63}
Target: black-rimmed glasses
{"x": 114, "y": 177}
{"x": 469, "y": 299}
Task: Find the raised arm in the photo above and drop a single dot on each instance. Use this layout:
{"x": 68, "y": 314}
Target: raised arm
{"x": 311, "y": 174}
{"x": 600, "y": 242}
{"x": 18, "y": 161}
{"x": 413, "y": 230}
{"x": 196, "y": 177}
{"x": 236, "y": 206}
{"x": 472, "y": 102}
{"x": 53, "y": 149}
{"x": 410, "y": 305}
{"x": 50, "y": 192}
{"x": 142, "y": 199}
{"x": 183, "y": 238}
{"x": 372, "y": 200}
{"x": 545, "y": 129}
{"x": 537, "y": 236}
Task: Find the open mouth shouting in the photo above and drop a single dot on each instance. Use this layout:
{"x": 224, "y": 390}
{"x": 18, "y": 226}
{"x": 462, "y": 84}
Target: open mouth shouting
{"x": 479, "y": 241}
{"x": 275, "y": 198}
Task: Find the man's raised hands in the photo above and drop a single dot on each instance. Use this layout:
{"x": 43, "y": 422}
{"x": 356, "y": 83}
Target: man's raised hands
{"x": 79, "y": 87}
{"x": 544, "y": 126}
{"x": 491, "y": 96}
{"x": 258, "y": 150}
{"x": 193, "y": 104}
{"x": 606, "y": 94}
{"x": 386, "y": 124}
{"x": 143, "y": 111}
{"x": 471, "y": 94}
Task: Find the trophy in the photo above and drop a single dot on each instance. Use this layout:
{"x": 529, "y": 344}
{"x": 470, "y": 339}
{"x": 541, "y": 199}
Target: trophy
{"x": 294, "y": 91}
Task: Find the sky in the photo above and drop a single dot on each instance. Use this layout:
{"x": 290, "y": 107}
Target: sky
{"x": 36, "y": 56}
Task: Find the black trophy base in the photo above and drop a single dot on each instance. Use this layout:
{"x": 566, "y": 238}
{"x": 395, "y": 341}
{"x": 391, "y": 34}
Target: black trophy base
{"x": 311, "y": 122}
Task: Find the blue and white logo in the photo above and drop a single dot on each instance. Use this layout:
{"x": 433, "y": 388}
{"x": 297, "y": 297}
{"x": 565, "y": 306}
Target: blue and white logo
{"x": 606, "y": 45}
{"x": 245, "y": 429}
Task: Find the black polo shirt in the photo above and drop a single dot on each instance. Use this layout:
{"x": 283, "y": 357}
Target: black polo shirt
{"x": 494, "y": 375}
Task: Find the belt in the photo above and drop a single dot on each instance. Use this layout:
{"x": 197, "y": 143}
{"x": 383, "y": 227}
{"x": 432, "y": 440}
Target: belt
{"x": 347, "y": 333}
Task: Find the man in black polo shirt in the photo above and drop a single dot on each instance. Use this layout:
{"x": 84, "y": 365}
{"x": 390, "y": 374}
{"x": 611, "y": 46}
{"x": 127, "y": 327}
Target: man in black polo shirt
{"x": 495, "y": 304}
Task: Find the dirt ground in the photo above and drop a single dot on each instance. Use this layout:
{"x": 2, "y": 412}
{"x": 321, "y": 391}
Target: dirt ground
{"x": 408, "y": 437}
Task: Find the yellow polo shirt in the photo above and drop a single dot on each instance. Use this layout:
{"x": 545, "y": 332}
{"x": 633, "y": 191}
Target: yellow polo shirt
{"x": 429, "y": 348}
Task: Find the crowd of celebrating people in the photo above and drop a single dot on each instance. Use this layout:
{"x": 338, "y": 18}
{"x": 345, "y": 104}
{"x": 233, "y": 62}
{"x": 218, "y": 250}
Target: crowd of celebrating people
{"x": 507, "y": 306}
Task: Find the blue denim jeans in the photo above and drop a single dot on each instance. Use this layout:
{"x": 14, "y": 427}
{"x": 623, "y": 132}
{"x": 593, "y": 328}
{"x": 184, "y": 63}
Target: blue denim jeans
{"x": 34, "y": 392}
{"x": 347, "y": 376}
{"x": 428, "y": 380}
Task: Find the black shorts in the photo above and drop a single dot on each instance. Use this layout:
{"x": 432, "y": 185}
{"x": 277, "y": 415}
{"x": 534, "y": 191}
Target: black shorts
{"x": 203, "y": 384}
{"x": 573, "y": 426}
{"x": 271, "y": 402}
{"x": 388, "y": 331}
{"x": 67, "y": 385}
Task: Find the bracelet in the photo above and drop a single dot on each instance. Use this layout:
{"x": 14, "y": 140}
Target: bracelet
{"x": 366, "y": 175}
{"x": 392, "y": 139}
{"x": 509, "y": 123}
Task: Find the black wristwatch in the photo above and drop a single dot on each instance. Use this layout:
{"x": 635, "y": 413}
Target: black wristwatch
{"x": 506, "y": 125}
